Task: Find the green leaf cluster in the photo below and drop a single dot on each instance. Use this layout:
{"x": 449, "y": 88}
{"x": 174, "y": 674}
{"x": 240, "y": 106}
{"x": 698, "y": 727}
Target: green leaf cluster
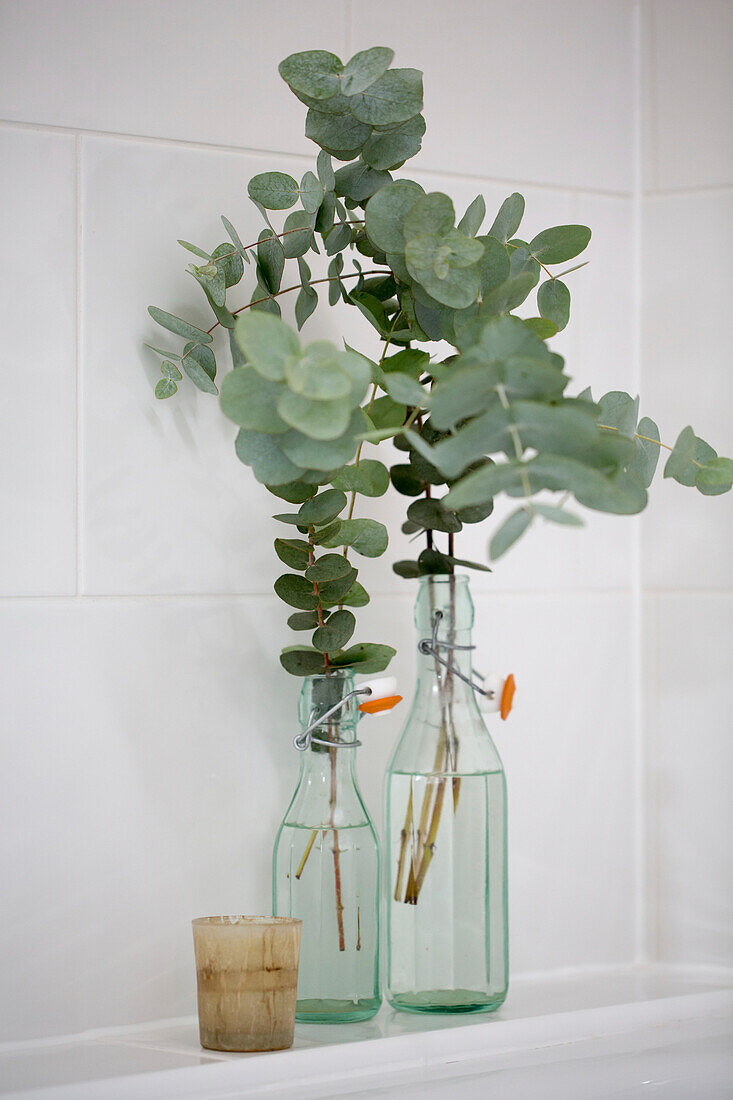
{"x": 298, "y": 409}
{"x": 323, "y": 586}
{"x": 361, "y": 109}
{"x": 494, "y": 416}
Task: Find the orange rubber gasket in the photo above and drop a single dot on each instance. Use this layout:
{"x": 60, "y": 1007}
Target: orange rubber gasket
{"x": 374, "y": 706}
{"x": 507, "y": 696}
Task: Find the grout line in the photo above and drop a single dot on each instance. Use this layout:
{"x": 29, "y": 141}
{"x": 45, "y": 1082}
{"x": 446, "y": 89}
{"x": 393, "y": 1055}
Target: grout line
{"x": 691, "y": 192}
{"x": 348, "y": 29}
{"x": 385, "y": 594}
{"x": 654, "y": 866}
{"x": 652, "y": 129}
{"x": 244, "y": 150}
{"x": 79, "y": 345}
{"x": 641, "y": 822}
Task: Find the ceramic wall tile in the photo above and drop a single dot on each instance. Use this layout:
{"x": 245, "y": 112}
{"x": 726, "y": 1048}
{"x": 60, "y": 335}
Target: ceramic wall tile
{"x": 38, "y": 409}
{"x": 182, "y": 70}
{"x": 690, "y": 763}
{"x": 532, "y": 91}
{"x": 688, "y": 94}
{"x": 168, "y": 507}
{"x": 687, "y": 380}
{"x": 568, "y": 752}
{"x": 149, "y": 743}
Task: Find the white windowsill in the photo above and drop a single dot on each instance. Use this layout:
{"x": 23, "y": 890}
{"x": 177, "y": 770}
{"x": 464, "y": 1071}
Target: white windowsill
{"x": 630, "y": 1027}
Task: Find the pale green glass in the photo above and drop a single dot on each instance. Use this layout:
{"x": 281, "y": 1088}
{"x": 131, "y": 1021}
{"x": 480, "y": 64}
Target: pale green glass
{"x": 445, "y": 851}
{"x": 326, "y": 867}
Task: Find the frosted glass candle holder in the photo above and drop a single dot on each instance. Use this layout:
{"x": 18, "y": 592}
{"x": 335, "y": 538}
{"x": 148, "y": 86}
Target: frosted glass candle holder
{"x": 247, "y": 975}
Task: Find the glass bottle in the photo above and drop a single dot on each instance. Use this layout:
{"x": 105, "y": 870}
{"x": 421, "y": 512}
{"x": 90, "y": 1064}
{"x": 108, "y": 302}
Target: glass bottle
{"x": 326, "y": 865}
{"x": 445, "y": 849}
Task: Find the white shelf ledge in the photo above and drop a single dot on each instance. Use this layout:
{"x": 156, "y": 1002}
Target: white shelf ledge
{"x": 589, "y": 1034}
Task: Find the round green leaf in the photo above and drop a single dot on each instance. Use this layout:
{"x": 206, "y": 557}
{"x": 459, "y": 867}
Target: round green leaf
{"x": 303, "y": 620}
{"x": 267, "y": 342}
{"x": 395, "y": 97}
{"x": 297, "y": 234}
{"x": 366, "y": 536}
{"x": 322, "y": 508}
{"x": 329, "y": 567}
{"x": 274, "y": 190}
{"x": 386, "y": 212}
{"x": 370, "y": 478}
{"x": 165, "y": 387}
{"x": 335, "y": 633}
{"x": 251, "y": 401}
{"x": 432, "y": 214}
{"x": 387, "y": 149}
{"x": 295, "y": 553}
{"x": 406, "y": 481}
{"x": 559, "y": 244}
{"x": 262, "y": 452}
{"x": 295, "y": 492}
{"x": 302, "y": 662}
{"x": 170, "y": 370}
{"x": 365, "y": 658}
{"x": 321, "y": 420}
{"x": 231, "y": 264}
{"x": 315, "y": 73}
{"x": 364, "y": 68}
{"x": 410, "y": 570}
{"x": 359, "y": 181}
{"x": 296, "y": 591}
{"x": 319, "y": 454}
{"x": 690, "y": 452}
{"x": 357, "y": 596}
{"x": 715, "y": 477}
{"x": 432, "y": 516}
{"x": 340, "y": 135}
{"x": 333, "y": 592}
{"x": 318, "y": 375}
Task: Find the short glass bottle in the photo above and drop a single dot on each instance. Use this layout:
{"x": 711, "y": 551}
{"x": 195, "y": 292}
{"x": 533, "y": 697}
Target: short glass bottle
{"x": 445, "y": 847}
{"x": 326, "y": 865}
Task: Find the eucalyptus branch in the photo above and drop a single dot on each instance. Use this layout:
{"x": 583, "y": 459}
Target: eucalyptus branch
{"x": 276, "y": 236}
{"x": 648, "y": 439}
{"x": 298, "y": 286}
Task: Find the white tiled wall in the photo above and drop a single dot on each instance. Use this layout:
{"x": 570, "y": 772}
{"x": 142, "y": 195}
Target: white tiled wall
{"x": 687, "y": 539}
{"x": 145, "y": 722}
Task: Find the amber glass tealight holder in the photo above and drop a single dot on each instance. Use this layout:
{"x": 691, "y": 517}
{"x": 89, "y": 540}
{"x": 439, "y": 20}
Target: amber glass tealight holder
{"x": 247, "y": 975}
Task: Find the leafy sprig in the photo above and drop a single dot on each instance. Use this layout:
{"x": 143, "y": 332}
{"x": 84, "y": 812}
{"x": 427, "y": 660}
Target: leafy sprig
{"x": 492, "y": 417}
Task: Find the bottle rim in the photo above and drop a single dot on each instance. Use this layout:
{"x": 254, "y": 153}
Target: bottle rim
{"x": 443, "y": 578}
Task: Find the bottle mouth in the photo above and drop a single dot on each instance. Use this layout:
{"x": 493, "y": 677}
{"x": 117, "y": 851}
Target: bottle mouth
{"x": 443, "y": 578}
{"x": 338, "y": 675}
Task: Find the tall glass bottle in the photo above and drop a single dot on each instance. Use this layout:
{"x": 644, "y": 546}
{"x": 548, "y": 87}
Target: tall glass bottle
{"x": 326, "y": 865}
{"x": 445, "y": 848}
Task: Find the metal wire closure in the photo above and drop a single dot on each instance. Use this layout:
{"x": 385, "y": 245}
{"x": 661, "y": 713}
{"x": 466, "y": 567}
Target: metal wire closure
{"x": 430, "y": 647}
{"x": 304, "y": 740}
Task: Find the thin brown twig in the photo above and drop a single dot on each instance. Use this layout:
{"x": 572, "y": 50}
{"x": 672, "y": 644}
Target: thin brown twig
{"x": 297, "y": 286}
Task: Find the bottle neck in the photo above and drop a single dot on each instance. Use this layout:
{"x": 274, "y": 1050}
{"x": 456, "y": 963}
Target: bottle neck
{"x": 320, "y": 694}
{"x": 444, "y": 618}
{"x": 320, "y": 759}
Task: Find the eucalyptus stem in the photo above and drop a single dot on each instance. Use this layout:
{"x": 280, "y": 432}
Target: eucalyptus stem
{"x": 648, "y": 439}
{"x": 298, "y": 286}
{"x": 333, "y": 796}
